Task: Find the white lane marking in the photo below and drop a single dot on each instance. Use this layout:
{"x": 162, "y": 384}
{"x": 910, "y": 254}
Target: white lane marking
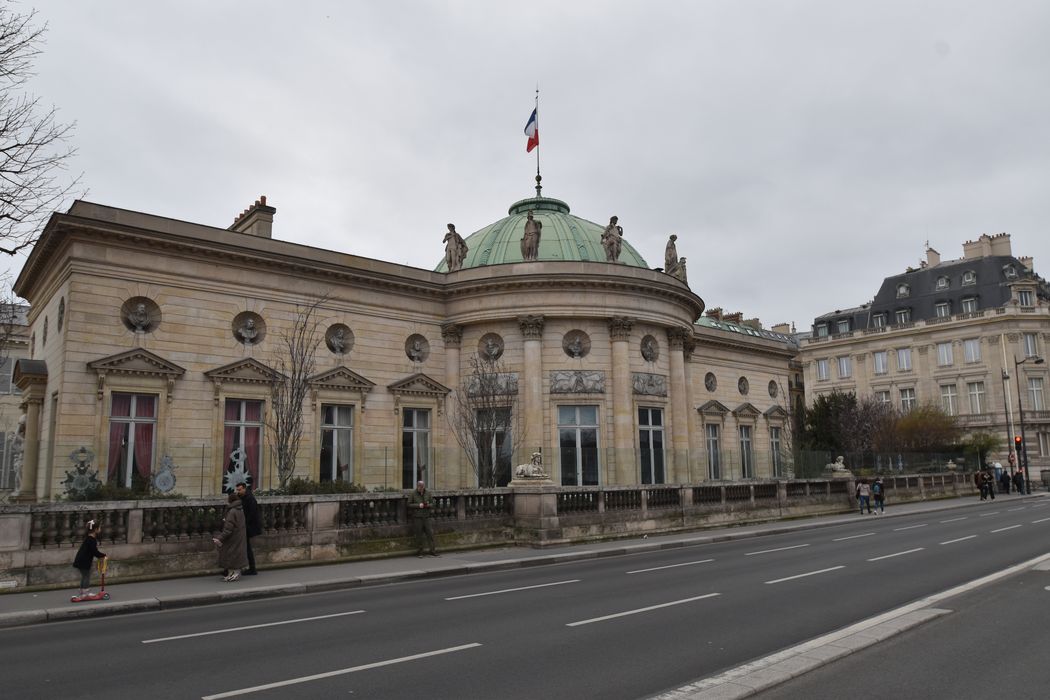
{"x": 251, "y": 627}
{"x": 897, "y": 554}
{"x": 985, "y": 515}
{"x": 811, "y": 573}
{"x": 1037, "y": 505}
{"x": 910, "y": 527}
{"x": 512, "y": 590}
{"x": 952, "y": 520}
{"x": 1011, "y": 510}
{"x": 960, "y": 539}
{"x": 853, "y": 537}
{"x": 670, "y": 566}
{"x": 640, "y": 610}
{"x": 778, "y": 549}
{"x": 1041, "y": 520}
{"x": 1002, "y": 529}
{"x": 340, "y": 672}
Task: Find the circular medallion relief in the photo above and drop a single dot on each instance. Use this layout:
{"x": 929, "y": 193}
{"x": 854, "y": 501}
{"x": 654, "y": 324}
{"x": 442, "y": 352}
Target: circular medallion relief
{"x": 773, "y": 389}
{"x": 576, "y": 344}
{"x": 339, "y": 339}
{"x": 742, "y": 386}
{"x": 650, "y": 349}
{"x": 490, "y": 347}
{"x": 710, "y": 382}
{"x": 417, "y": 348}
{"x": 248, "y": 328}
{"x": 140, "y": 314}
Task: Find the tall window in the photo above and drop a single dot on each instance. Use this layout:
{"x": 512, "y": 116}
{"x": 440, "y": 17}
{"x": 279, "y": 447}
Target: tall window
{"x": 495, "y": 447}
{"x": 747, "y": 466}
{"x": 337, "y": 439}
{"x": 774, "y": 451}
{"x": 415, "y": 447}
{"x": 903, "y": 316}
{"x": 7, "y": 465}
{"x": 880, "y": 361}
{"x": 714, "y": 452}
{"x": 7, "y": 364}
{"x": 1044, "y": 444}
{"x": 976, "y": 393}
{"x": 944, "y": 354}
{"x": 972, "y": 349}
{"x": 1024, "y": 297}
{"x": 242, "y": 441}
{"x": 950, "y": 399}
{"x": 882, "y": 396}
{"x": 969, "y": 305}
{"x": 879, "y": 320}
{"x": 132, "y": 432}
{"x": 651, "y": 444}
{"x": 943, "y": 309}
{"x": 907, "y": 399}
{"x": 845, "y": 368}
{"x": 1035, "y": 393}
{"x": 1030, "y": 349}
{"x": 578, "y": 440}
{"x": 903, "y": 359}
{"x": 822, "y": 369}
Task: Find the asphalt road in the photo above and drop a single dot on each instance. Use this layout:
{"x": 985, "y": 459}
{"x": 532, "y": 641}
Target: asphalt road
{"x": 618, "y": 627}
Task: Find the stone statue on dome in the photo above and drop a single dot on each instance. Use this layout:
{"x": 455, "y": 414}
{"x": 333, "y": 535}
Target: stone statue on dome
{"x": 530, "y": 242}
{"x": 612, "y": 240}
{"x": 455, "y": 249}
{"x": 671, "y": 255}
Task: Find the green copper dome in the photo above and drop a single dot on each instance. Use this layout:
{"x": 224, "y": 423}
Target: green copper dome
{"x": 564, "y": 237}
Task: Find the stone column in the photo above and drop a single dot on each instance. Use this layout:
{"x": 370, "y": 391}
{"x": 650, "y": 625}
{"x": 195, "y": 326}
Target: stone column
{"x": 623, "y": 414}
{"x": 452, "y": 335}
{"x": 31, "y": 447}
{"x": 693, "y": 473}
{"x": 678, "y": 469}
{"x": 532, "y": 332}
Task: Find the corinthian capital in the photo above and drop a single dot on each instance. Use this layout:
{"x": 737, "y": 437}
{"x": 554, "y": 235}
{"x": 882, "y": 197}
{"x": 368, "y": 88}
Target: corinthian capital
{"x": 531, "y": 326}
{"x": 676, "y": 337}
{"x": 452, "y": 335}
{"x": 620, "y": 327}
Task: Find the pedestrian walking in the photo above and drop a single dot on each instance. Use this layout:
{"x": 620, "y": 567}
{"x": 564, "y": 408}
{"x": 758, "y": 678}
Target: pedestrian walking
{"x": 86, "y": 556}
{"x": 1004, "y": 482}
{"x": 232, "y": 541}
{"x": 864, "y": 496}
{"x": 252, "y": 523}
{"x": 988, "y": 484}
{"x": 1019, "y": 484}
{"x": 419, "y": 507}
{"x": 878, "y": 493}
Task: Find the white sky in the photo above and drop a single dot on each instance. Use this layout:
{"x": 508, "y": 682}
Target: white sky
{"x": 800, "y": 150}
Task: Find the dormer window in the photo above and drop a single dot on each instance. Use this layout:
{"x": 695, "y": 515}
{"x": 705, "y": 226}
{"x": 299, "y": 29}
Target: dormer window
{"x": 822, "y": 330}
{"x": 969, "y": 277}
{"x": 1009, "y": 272}
{"x": 879, "y": 320}
{"x": 969, "y": 305}
{"x": 1024, "y": 298}
{"x": 943, "y": 309}
{"x": 903, "y": 316}
{"x": 903, "y": 290}
{"x": 942, "y": 282}
{"x": 842, "y": 327}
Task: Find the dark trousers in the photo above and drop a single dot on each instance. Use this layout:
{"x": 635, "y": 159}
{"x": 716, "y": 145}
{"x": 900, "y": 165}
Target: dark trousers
{"x": 422, "y": 527}
{"x": 251, "y": 554}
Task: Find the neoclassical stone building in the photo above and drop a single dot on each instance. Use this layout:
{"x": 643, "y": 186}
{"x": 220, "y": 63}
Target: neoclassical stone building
{"x": 153, "y": 344}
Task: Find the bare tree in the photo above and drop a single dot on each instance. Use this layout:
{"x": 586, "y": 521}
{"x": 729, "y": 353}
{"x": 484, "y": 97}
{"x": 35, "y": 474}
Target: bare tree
{"x": 293, "y": 362}
{"x": 483, "y": 417}
{"x": 33, "y": 142}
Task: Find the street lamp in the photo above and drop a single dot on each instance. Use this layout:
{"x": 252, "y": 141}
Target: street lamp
{"x": 1036, "y": 360}
{"x": 1009, "y": 419}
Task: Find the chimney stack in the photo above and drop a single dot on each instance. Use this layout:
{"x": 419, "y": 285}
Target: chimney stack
{"x": 256, "y": 220}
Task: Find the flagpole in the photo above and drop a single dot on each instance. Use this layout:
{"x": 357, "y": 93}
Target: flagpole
{"x": 538, "y": 177}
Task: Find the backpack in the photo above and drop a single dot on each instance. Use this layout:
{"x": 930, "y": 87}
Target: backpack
{"x": 877, "y": 489}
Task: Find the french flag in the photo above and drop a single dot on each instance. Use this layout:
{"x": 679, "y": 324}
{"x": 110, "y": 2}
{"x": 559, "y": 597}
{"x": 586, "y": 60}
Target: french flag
{"x": 532, "y": 130}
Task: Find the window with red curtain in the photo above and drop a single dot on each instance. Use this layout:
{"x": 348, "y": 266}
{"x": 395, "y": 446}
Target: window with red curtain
{"x": 242, "y": 441}
{"x": 132, "y": 439}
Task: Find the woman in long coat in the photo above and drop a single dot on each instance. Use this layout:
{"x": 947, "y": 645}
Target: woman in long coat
{"x": 233, "y": 540}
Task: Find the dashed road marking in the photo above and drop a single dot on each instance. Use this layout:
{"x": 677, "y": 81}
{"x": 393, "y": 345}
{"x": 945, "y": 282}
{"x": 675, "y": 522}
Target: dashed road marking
{"x": 897, "y": 554}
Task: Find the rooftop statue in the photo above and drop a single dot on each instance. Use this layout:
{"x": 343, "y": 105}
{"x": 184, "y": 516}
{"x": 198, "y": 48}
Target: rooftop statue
{"x": 612, "y": 240}
{"x": 671, "y": 255}
{"x": 530, "y": 242}
{"x": 455, "y": 249}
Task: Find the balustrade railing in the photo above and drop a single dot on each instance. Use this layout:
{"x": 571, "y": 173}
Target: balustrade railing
{"x": 662, "y": 498}
{"x": 626, "y": 499}
{"x": 369, "y": 512}
{"x": 578, "y": 501}
{"x": 67, "y": 528}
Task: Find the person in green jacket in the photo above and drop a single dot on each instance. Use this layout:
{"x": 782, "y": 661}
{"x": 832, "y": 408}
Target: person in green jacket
{"x": 419, "y": 507}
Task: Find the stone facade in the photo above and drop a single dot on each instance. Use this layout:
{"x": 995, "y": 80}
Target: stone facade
{"x": 180, "y": 381}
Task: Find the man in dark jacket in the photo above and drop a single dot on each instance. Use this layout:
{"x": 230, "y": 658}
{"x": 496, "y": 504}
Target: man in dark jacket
{"x": 1019, "y": 482}
{"x": 252, "y": 522}
{"x": 419, "y": 507}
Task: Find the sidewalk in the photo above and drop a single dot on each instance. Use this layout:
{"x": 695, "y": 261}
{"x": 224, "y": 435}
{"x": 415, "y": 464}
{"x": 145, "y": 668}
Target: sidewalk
{"x": 49, "y": 606}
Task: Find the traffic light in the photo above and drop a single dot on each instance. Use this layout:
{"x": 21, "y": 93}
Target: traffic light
{"x": 1017, "y": 442}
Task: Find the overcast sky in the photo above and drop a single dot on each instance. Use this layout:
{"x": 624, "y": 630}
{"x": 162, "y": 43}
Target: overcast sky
{"x": 801, "y": 151}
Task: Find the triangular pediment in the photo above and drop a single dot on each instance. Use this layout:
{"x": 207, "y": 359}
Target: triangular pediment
{"x": 137, "y": 362}
{"x": 777, "y": 413}
{"x": 713, "y": 407}
{"x": 418, "y": 385}
{"x": 746, "y": 410}
{"x": 249, "y": 371}
{"x": 341, "y": 379}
